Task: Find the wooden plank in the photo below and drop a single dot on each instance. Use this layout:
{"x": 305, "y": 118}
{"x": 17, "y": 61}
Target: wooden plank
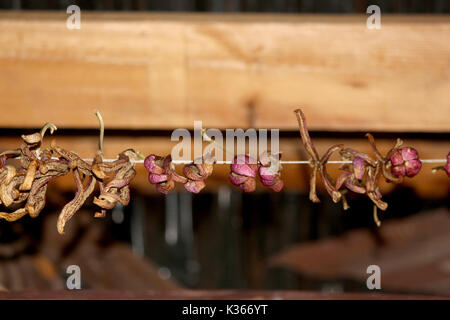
{"x": 295, "y": 176}
{"x": 165, "y": 71}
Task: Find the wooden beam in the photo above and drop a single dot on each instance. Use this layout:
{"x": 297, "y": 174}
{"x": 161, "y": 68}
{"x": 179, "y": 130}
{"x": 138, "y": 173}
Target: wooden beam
{"x": 167, "y": 70}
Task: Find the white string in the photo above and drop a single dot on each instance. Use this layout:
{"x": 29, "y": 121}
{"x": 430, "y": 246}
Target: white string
{"x": 282, "y": 162}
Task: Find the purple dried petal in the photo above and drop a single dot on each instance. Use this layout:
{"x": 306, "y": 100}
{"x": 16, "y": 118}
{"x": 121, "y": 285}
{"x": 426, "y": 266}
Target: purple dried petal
{"x": 398, "y": 171}
{"x": 237, "y": 179}
{"x": 152, "y": 164}
{"x": 266, "y": 174}
{"x": 149, "y": 162}
{"x": 359, "y": 167}
{"x": 269, "y": 182}
{"x": 412, "y": 167}
{"x": 243, "y": 165}
{"x": 177, "y": 178}
{"x": 194, "y": 186}
{"x": 354, "y": 187}
{"x": 409, "y": 153}
{"x": 396, "y": 158}
{"x": 157, "y": 178}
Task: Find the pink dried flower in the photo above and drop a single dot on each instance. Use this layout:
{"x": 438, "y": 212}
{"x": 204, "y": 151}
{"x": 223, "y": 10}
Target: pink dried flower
{"x": 162, "y": 173}
{"x": 196, "y": 173}
{"x": 269, "y": 171}
{"x": 405, "y": 162}
{"x": 243, "y": 172}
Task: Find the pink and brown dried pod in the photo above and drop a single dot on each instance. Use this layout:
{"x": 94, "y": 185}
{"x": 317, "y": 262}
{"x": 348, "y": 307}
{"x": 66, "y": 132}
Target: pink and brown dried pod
{"x": 244, "y": 165}
{"x": 157, "y": 178}
{"x": 154, "y": 164}
{"x": 269, "y": 171}
{"x": 243, "y": 173}
{"x": 165, "y": 187}
{"x": 162, "y": 173}
{"x": 169, "y": 169}
{"x": 405, "y": 162}
{"x": 197, "y": 172}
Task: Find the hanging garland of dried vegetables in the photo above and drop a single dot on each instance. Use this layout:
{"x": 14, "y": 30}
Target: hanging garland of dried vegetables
{"x": 23, "y": 187}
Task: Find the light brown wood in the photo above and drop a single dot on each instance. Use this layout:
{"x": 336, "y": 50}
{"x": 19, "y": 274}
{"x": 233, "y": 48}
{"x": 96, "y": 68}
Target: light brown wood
{"x": 295, "y": 176}
{"x": 165, "y": 71}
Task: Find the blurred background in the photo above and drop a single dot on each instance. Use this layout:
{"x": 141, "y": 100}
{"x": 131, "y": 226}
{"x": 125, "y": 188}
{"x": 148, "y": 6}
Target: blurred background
{"x": 153, "y": 66}
{"x": 270, "y": 6}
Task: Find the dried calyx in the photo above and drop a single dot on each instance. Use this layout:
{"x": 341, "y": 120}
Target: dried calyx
{"x": 362, "y": 174}
{"x": 405, "y": 162}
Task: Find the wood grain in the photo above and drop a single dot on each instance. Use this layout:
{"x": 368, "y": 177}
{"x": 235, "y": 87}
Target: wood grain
{"x": 153, "y": 71}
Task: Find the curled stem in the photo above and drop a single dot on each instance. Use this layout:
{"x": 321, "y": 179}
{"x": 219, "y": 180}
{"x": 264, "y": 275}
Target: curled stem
{"x": 102, "y": 130}
{"x": 48, "y": 126}
{"x": 375, "y": 216}
{"x": 305, "y": 135}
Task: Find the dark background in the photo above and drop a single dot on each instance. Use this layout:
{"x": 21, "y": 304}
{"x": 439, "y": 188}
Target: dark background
{"x": 284, "y": 6}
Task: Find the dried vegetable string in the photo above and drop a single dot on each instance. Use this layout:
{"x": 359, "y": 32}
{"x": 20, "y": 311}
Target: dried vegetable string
{"x": 23, "y": 187}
